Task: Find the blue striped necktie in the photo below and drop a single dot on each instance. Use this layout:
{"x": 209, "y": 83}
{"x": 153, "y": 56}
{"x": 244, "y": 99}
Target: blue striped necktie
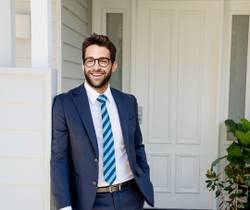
{"x": 109, "y": 168}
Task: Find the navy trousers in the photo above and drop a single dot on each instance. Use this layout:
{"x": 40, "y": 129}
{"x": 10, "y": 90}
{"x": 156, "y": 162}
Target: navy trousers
{"x": 127, "y": 199}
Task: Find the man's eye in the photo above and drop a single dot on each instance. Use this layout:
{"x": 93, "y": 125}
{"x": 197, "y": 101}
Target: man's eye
{"x": 89, "y": 61}
{"x": 104, "y": 61}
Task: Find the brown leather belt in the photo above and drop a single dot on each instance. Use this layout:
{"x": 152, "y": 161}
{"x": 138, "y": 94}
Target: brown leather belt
{"x": 116, "y": 187}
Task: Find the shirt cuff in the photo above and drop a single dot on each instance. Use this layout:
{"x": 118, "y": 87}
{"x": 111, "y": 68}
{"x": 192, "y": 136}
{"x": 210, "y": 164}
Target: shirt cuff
{"x": 66, "y": 208}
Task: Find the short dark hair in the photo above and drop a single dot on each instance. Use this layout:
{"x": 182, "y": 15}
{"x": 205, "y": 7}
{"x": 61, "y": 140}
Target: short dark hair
{"x": 100, "y": 40}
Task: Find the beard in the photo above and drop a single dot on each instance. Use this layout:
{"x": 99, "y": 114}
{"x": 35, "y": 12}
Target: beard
{"x": 102, "y": 84}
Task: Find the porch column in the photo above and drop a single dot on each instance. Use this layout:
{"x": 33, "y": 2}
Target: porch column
{"x": 8, "y": 34}
{"x": 39, "y": 33}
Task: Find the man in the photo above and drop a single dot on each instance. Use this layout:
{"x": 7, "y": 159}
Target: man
{"x": 98, "y": 160}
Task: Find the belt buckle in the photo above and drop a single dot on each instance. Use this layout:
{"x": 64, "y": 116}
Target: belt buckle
{"x": 111, "y": 188}
{"x": 114, "y": 188}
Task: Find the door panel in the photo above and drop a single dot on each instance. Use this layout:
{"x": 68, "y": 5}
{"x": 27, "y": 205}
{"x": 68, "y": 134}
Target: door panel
{"x": 176, "y": 75}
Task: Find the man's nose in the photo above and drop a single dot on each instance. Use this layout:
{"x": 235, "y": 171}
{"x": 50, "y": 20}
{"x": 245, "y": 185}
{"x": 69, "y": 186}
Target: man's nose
{"x": 96, "y": 65}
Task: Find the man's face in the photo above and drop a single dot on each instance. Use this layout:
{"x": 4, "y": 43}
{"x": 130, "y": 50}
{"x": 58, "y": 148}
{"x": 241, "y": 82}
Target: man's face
{"x": 97, "y": 75}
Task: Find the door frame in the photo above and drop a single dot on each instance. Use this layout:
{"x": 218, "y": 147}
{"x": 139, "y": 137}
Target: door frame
{"x": 232, "y": 7}
{"x": 98, "y": 26}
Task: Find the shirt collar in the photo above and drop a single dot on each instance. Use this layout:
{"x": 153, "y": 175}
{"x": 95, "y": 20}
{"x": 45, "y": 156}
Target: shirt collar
{"x": 93, "y": 94}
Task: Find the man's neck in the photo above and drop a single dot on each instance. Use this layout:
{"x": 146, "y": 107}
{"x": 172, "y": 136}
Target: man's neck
{"x": 100, "y": 90}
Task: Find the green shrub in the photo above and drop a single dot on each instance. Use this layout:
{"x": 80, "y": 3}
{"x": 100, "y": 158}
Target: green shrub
{"x": 232, "y": 186}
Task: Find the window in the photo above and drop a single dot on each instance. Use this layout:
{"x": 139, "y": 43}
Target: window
{"x": 114, "y": 30}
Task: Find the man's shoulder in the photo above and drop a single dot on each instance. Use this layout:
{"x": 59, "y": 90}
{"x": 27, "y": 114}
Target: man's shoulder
{"x": 122, "y": 94}
{"x": 69, "y": 93}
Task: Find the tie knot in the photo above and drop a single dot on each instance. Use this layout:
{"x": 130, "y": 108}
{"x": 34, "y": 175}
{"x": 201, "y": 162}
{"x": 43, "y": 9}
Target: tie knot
{"x": 102, "y": 99}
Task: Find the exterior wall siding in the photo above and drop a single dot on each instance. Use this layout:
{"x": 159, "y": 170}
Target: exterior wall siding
{"x": 75, "y": 27}
{"x": 25, "y": 136}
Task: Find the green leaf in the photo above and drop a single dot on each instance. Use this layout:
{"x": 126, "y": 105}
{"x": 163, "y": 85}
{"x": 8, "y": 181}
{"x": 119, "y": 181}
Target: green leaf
{"x": 217, "y": 193}
{"x": 229, "y": 189}
{"x": 209, "y": 184}
{"x": 220, "y": 185}
{"x": 245, "y": 124}
{"x": 221, "y": 204}
{"x": 231, "y": 125}
{"x": 234, "y": 151}
{"x": 244, "y": 138}
{"x": 247, "y": 158}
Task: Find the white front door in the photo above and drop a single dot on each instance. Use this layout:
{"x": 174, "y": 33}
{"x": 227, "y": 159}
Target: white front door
{"x": 175, "y": 78}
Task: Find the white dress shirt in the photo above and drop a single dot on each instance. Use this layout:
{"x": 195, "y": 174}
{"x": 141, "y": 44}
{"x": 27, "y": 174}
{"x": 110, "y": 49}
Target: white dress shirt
{"x": 66, "y": 208}
{"x": 123, "y": 170}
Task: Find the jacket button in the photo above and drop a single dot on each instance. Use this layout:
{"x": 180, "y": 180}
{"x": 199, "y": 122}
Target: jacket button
{"x": 96, "y": 160}
{"x": 94, "y": 183}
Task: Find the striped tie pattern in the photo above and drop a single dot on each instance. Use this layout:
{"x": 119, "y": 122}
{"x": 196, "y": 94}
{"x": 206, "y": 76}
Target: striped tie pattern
{"x": 109, "y": 168}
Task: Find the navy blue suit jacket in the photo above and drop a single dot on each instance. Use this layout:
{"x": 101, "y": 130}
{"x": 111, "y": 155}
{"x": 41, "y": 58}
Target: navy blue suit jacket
{"x": 74, "y": 151}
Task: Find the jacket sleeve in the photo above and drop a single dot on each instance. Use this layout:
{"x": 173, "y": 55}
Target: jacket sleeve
{"x": 139, "y": 146}
{"x": 59, "y": 164}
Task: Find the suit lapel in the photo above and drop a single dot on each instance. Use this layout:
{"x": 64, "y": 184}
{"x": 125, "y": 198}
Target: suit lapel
{"x": 123, "y": 115}
{"x": 82, "y": 104}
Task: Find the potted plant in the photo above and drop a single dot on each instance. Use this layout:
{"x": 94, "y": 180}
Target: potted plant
{"x": 232, "y": 183}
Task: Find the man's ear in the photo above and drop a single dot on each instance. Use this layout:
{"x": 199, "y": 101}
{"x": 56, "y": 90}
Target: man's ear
{"x": 114, "y": 66}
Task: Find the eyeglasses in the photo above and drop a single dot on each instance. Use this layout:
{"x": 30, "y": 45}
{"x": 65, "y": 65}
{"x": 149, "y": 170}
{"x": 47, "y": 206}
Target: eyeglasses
{"x": 102, "y": 61}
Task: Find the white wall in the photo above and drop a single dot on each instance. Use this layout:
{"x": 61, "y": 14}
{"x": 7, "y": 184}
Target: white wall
{"x": 76, "y": 26}
{"x": 55, "y": 35}
{"x": 25, "y": 136}
{"x": 7, "y": 35}
{"x": 23, "y": 45}
{"x": 69, "y": 25}
{"x": 25, "y": 106}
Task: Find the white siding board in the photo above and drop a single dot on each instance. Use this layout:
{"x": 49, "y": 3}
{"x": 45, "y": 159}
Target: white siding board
{"x": 69, "y": 83}
{"x": 21, "y": 116}
{"x": 18, "y": 143}
{"x": 77, "y": 9}
{"x": 25, "y": 138}
{"x": 32, "y": 91}
{"x": 84, "y": 3}
{"x": 72, "y": 54}
{"x": 73, "y": 22}
{"x": 76, "y": 22}
{"x": 72, "y": 70}
{"x": 29, "y": 170}
{"x": 26, "y": 197}
{"x": 71, "y": 37}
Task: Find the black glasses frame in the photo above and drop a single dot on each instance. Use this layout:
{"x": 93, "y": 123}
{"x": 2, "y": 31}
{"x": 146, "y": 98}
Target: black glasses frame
{"x": 96, "y": 59}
